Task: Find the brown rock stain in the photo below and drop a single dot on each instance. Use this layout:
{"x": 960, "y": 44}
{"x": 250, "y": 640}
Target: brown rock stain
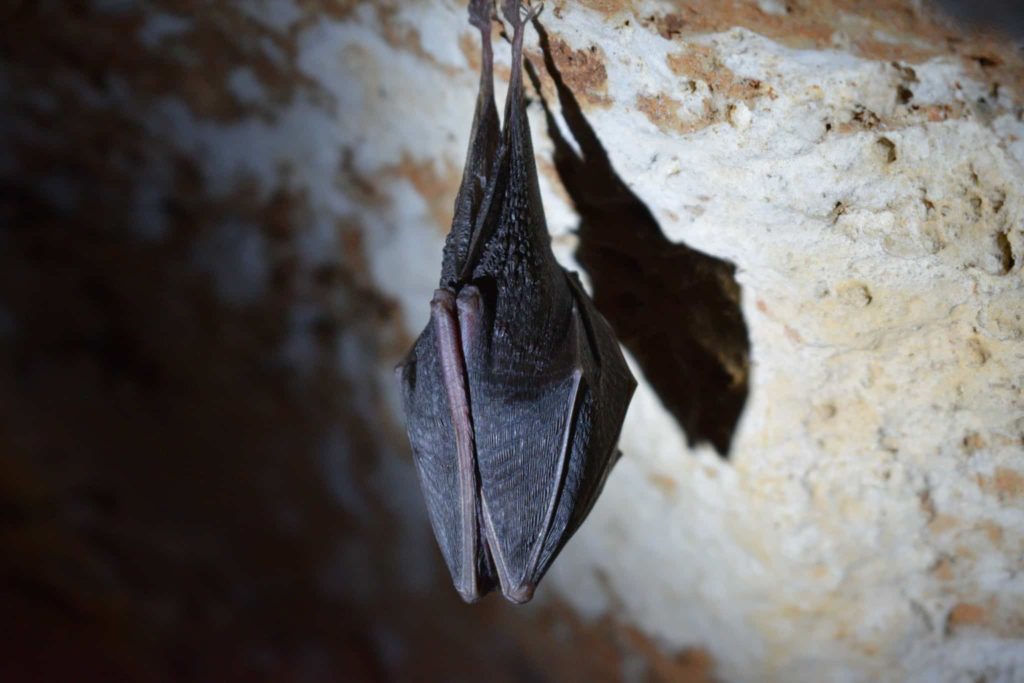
{"x": 703, "y": 63}
{"x": 438, "y": 189}
{"x": 826, "y": 411}
{"x": 582, "y": 70}
{"x": 700, "y": 63}
{"x": 943, "y": 569}
{"x": 336, "y": 9}
{"x": 690, "y": 665}
{"x": 999, "y": 615}
{"x": 964, "y": 552}
{"x": 884, "y": 30}
{"x": 407, "y": 37}
{"x": 943, "y": 112}
{"x": 861, "y": 119}
{"x": 927, "y": 504}
{"x": 663, "y": 112}
{"x": 608, "y": 645}
{"x": 359, "y": 185}
{"x": 1005, "y": 484}
{"x": 993, "y": 531}
{"x": 972, "y": 443}
{"x": 605, "y": 7}
{"x": 469, "y": 44}
{"x": 943, "y": 523}
{"x": 965, "y": 614}
{"x": 668, "y": 26}
{"x": 664, "y": 483}
{"x": 979, "y": 352}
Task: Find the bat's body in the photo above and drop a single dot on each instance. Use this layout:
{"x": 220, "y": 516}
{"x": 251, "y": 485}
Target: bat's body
{"x": 516, "y": 390}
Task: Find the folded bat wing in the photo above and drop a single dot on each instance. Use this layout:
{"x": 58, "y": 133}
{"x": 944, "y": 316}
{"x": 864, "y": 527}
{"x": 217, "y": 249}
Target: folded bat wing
{"x": 545, "y": 444}
{"x": 439, "y": 422}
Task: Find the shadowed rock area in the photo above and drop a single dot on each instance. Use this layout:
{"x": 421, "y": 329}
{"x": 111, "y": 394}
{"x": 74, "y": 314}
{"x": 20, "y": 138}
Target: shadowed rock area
{"x": 201, "y": 478}
{"x": 220, "y": 224}
{"x": 676, "y": 310}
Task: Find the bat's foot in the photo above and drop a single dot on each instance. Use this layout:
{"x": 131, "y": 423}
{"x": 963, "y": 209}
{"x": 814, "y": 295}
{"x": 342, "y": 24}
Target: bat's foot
{"x": 519, "y": 12}
{"x": 480, "y": 13}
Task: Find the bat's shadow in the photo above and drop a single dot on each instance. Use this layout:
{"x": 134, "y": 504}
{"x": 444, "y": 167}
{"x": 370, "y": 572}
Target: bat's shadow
{"x": 676, "y": 309}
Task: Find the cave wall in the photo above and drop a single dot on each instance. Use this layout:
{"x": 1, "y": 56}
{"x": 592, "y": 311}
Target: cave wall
{"x": 223, "y": 223}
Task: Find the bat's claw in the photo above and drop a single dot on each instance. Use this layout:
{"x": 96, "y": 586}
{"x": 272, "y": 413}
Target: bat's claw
{"x": 519, "y": 12}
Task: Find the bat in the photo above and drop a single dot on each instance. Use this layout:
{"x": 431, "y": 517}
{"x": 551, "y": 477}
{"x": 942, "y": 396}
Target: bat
{"x": 516, "y": 390}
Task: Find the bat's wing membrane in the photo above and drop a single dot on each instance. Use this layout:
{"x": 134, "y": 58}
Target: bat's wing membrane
{"x": 443, "y": 456}
{"x": 544, "y": 446}
{"x": 612, "y": 386}
{"x": 520, "y": 436}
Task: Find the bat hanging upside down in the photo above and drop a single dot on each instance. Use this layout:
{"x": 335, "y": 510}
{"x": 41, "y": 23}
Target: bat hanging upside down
{"x": 516, "y": 390}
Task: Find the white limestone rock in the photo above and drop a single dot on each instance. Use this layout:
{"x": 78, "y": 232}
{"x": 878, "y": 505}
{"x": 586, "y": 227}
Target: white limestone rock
{"x": 869, "y": 522}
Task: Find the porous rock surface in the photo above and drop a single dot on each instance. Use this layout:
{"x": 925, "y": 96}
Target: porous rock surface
{"x": 869, "y": 521}
{"x": 848, "y": 176}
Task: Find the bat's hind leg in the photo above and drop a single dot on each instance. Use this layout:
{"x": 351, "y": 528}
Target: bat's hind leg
{"x": 518, "y": 13}
{"x": 480, "y": 13}
{"x": 480, "y": 159}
